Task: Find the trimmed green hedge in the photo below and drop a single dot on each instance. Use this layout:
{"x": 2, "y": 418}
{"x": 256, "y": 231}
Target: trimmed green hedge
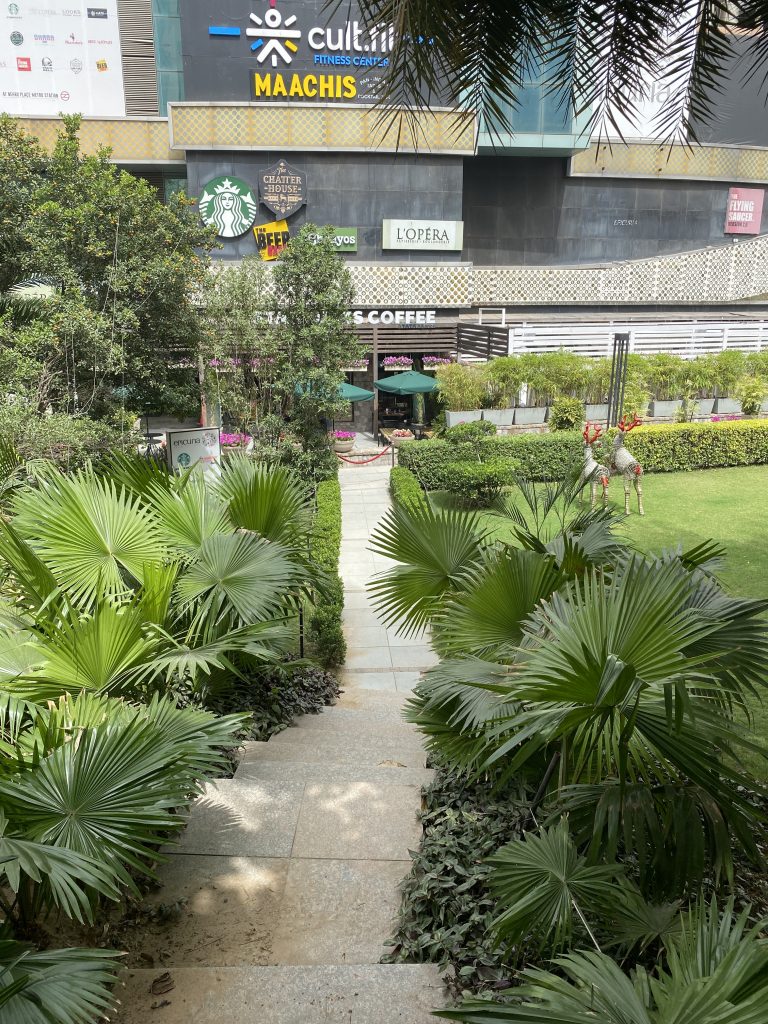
{"x": 324, "y": 629}
{"x": 404, "y": 488}
{"x": 660, "y": 448}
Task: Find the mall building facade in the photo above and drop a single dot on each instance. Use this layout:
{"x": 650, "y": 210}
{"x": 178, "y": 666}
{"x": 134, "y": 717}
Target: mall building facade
{"x": 265, "y": 111}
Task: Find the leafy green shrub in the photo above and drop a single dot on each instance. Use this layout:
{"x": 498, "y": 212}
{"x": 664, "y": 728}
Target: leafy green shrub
{"x": 405, "y": 488}
{"x": 566, "y": 414}
{"x": 671, "y": 447}
{"x": 68, "y": 441}
{"x": 504, "y": 378}
{"x": 660, "y": 448}
{"x": 730, "y": 367}
{"x": 538, "y": 456}
{"x": 478, "y": 484}
{"x": 470, "y": 431}
{"x": 324, "y": 628}
{"x": 461, "y": 387}
{"x": 751, "y": 392}
{"x": 664, "y": 375}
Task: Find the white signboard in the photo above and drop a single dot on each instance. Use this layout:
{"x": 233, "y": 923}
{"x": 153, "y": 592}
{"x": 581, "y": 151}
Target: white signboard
{"x": 185, "y": 448}
{"x": 430, "y": 235}
{"x": 60, "y": 59}
{"x": 408, "y": 317}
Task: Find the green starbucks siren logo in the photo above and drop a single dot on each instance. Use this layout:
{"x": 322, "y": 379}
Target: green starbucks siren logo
{"x": 228, "y": 205}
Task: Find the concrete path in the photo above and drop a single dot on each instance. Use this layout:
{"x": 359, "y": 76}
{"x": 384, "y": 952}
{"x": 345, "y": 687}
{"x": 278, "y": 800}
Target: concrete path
{"x": 284, "y": 887}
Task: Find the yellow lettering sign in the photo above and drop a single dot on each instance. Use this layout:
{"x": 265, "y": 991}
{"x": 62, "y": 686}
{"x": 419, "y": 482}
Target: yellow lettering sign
{"x": 271, "y": 239}
{"x": 308, "y": 86}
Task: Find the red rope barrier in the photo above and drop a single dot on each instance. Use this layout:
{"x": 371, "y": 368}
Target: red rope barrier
{"x": 365, "y": 462}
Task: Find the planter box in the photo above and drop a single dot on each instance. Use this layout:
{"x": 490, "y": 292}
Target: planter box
{"x": 704, "y": 406}
{"x": 596, "y": 412}
{"x": 530, "y": 414}
{"x": 397, "y": 441}
{"x": 501, "y": 417}
{"x": 452, "y": 419}
{"x": 727, "y": 407}
{"x": 666, "y": 409}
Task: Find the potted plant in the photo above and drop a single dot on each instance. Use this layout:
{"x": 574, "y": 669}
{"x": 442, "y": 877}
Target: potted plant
{"x": 356, "y": 366}
{"x": 401, "y": 434}
{"x": 665, "y": 374}
{"x": 751, "y": 393}
{"x": 343, "y": 440}
{"x": 234, "y": 440}
{"x": 597, "y": 385}
{"x": 462, "y": 391}
{"x": 731, "y": 366}
{"x": 503, "y": 380}
{"x": 398, "y": 363}
{"x": 432, "y": 362}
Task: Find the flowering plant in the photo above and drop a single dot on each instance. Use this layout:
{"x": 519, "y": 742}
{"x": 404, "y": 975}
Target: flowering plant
{"x": 723, "y": 419}
{"x": 430, "y": 361}
{"x": 230, "y": 440}
{"x": 397, "y": 362}
{"x": 402, "y": 432}
{"x": 358, "y": 364}
{"x": 343, "y": 435}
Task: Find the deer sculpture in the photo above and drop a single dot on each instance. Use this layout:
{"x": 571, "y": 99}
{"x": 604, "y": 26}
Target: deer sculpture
{"x": 622, "y": 463}
{"x": 593, "y": 471}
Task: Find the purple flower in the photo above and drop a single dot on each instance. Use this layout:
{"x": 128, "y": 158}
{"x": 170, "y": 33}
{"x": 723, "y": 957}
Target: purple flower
{"x": 230, "y": 440}
{"x": 343, "y": 435}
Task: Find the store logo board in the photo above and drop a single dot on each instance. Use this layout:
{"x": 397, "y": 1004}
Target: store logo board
{"x": 187, "y": 448}
{"x": 283, "y": 189}
{"x": 271, "y": 239}
{"x": 395, "y": 317}
{"x": 228, "y": 204}
{"x": 423, "y": 235}
{"x": 744, "y": 212}
{"x": 344, "y": 239}
{"x": 289, "y": 49}
{"x": 67, "y": 64}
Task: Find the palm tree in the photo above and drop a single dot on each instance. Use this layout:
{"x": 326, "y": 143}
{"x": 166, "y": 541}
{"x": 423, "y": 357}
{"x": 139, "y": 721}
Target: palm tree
{"x": 596, "y": 58}
{"x": 613, "y": 680}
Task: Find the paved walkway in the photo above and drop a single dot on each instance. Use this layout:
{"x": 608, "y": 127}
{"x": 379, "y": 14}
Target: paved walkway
{"x": 285, "y": 884}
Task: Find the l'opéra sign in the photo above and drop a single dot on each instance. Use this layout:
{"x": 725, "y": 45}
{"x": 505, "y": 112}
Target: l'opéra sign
{"x": 271, "y": 238}
{"x": 432, "y": 235}
{"x": 406, "y": 317}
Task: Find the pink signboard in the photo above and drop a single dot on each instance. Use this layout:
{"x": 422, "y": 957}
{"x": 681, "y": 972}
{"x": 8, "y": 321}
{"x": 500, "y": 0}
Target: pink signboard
{"x": 745, "y": 211}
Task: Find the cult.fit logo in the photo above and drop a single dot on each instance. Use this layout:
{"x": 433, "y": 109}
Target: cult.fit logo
{"x": 273, "y": 38}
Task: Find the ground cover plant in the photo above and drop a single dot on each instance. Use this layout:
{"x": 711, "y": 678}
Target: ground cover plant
{"x": 612, "y": 687}
{"x": 131, "y": 603}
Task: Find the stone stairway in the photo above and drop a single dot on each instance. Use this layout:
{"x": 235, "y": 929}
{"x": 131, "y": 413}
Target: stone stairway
{"x": 284, "y": 886}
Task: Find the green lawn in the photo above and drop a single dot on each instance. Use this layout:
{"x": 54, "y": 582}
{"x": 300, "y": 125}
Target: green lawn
{"x": 727, "y": 505}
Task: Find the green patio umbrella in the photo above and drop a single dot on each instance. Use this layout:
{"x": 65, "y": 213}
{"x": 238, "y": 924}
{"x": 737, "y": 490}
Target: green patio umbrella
{"x": 350, "y": 393}
{"x": 409, "y": 382}
{"x": 347, "y": 392}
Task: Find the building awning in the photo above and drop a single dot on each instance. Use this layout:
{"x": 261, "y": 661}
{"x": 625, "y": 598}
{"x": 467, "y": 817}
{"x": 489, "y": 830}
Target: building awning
{"x": 350, "y": 393}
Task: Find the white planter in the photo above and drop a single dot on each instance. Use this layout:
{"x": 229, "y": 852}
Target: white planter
{"x": 501, "y": 417}
{"x": 343, "y": 446}
{"x": 528, "y": 415}
{"x": 666, "y": 409}
{"x": 397, "y": 441}
{"x": 452, "y": 419}
{"x": 727, "y": 407}
{"x": 596, "y": 412}
{"x": 704, "y": 407}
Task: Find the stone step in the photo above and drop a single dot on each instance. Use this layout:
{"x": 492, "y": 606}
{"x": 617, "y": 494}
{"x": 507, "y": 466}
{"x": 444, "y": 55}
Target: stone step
{"x": 340, "y": 717}
{"x": 385, "y": 700}
{"x": 327, "y": 729}
{"x": 260, "y": 769}
{"x": 342, "y": 750}
{"x": 360, "y": 994}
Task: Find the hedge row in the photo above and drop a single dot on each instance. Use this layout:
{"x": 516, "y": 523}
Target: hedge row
{"x": 660, "y": 448}
{"x": 405, "y": 488}
{"x": 324, "y": 629}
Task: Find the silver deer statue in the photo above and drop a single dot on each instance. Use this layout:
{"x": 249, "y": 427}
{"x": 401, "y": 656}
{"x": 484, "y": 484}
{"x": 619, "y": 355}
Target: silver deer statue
{"x": 593, "y": 471}
{"x": 625, "y": 465}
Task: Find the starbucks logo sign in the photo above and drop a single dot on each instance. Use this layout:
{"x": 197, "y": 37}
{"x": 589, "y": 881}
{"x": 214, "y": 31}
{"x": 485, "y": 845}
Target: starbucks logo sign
{"x": 17, "y": 38}
{"x": 228, "y": 205}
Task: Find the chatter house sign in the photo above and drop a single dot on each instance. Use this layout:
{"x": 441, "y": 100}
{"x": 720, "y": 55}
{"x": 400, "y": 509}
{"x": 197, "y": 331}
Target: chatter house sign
{"x": 267, "y": 50}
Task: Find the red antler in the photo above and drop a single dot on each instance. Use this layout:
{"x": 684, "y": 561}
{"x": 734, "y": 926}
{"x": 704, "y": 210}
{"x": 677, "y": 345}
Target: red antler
{"x": 591, "y": 432}
{"x": 625, "y": 426}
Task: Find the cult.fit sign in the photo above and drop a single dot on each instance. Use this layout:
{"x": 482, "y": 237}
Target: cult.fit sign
{"x": 744, "y": 211}
{"x": 428, "y": 235}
